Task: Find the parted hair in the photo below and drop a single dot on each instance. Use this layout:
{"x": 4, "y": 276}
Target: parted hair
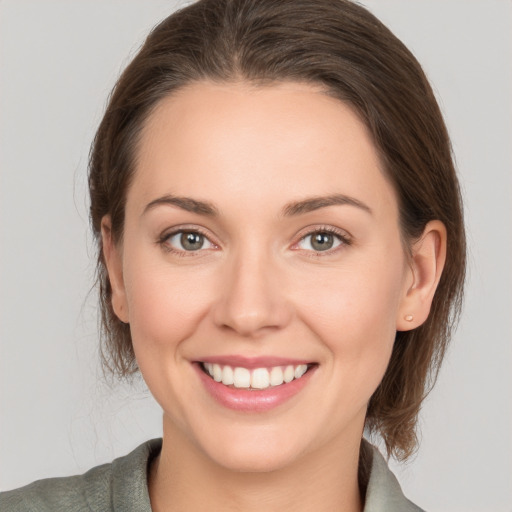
{"x": 341, "y": 46}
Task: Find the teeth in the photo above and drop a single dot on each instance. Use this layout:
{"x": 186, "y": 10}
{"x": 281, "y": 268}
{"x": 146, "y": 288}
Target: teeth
{"x": 241, "y": 378}
{"x": 276, "y": 376}
{"x": 259, "y": 378}
{"x": 217, "y": 373}
{"x": 227, "y": 376}
{"x": 289, "y": 374}
{"x": 300, "y": 371}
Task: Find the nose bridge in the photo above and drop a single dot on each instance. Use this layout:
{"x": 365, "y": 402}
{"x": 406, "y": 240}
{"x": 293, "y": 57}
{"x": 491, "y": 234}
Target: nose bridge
{"x": 252, "y": 298}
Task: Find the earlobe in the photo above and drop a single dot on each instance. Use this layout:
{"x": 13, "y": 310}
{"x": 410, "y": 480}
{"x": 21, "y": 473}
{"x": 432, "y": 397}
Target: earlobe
{"x": 113, "y": 261}
{"x": 426, "y": 266}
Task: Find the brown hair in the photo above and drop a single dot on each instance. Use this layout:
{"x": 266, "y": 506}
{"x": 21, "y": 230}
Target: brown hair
{"x": 337, "y": 44}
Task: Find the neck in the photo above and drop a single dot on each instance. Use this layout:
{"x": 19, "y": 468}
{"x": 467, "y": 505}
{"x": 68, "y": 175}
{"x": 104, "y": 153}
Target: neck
{"x": 185, "y": 479}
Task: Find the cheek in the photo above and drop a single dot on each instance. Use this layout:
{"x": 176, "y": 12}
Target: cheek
{"x": 165, "y": 305}
{"x": 350, "y": 301}
{"x": 354, "y": 313}
{"x": 165, "y": 308}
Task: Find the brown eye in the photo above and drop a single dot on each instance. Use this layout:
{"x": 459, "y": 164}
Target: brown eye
{"x": 188, "y": 241}
{"x": 192, "y": 241}
{"x": 320, "y": 241}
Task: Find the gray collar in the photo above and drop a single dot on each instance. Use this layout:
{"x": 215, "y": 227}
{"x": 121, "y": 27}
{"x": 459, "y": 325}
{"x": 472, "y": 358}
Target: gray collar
{"x": 383, "y": 492}
{"x": 130, "y": 493}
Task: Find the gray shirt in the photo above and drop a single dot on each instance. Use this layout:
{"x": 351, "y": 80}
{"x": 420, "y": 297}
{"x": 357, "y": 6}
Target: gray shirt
{"x": 122, "y": 487}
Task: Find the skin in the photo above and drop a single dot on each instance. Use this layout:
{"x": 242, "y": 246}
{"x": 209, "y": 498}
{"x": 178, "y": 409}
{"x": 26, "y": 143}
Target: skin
{"x": 258, "y": 288}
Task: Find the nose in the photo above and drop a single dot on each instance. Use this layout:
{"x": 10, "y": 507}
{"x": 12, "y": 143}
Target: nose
{"x": 252, "y": 299}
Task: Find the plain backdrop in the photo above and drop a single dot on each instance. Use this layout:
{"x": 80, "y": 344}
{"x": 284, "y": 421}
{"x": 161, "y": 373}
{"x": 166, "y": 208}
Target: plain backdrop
{"x": 58, "y": 62}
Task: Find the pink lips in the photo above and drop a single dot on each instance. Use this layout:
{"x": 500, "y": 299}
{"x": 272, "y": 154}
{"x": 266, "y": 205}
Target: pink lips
{"x": 246, "y": 400}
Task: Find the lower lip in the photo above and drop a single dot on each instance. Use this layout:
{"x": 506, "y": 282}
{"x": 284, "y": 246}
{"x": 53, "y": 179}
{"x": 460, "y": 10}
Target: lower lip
{"x": 246, "y": 400}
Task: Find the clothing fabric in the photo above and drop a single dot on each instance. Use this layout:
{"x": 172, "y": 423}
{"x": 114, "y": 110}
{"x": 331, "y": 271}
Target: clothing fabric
{"x": 122, "y": 487}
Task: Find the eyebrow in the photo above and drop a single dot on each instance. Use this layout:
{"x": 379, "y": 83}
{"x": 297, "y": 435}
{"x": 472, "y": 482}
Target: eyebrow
{"x": 290, "y": 210}
{"x": 315, "y": 203}
{"x": 185, "y": 203}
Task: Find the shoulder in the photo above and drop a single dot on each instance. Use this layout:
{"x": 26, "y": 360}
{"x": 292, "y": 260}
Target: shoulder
{"x": 90, "y": 491}
{"x": 383, "y": 491}
{"x": 120, "y": 485}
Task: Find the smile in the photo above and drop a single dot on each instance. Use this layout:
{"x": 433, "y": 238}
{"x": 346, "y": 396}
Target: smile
{"x": 255, "y": 378}
{"x": 253, "y": 385}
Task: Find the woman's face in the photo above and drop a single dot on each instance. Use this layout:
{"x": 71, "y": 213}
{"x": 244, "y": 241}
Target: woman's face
{"x": 261, "y": 240}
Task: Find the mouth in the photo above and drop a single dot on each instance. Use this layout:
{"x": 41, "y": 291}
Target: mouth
{"x": 254, "y": 384}
{"x": 255, "y": 379}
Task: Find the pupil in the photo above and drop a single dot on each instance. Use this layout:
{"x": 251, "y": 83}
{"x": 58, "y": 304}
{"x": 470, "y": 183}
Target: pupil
{"x": 191, "y": 241}
{"x": 322, "y": 241}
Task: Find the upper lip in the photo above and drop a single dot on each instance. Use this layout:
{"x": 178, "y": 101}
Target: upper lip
{"x": 253, "y": 362}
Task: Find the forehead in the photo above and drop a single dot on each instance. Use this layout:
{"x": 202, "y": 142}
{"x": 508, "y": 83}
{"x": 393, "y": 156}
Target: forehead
{"x": 257, "y": 142}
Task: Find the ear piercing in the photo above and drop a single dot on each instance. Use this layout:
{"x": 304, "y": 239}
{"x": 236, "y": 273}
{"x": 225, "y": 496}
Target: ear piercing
{"x": 409, "y": 318}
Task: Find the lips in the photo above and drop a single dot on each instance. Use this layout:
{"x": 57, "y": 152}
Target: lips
{"x": 255, "y": 384}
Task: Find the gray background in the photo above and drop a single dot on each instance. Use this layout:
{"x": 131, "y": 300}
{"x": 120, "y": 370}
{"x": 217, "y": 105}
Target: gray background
{"x": 58, "y": 61}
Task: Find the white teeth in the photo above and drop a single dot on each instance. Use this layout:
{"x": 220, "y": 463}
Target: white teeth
{"x": 217, "y": 373}
{"x": 227, "y": 376}
{"x": 300, "y": 370}
{"x": 241, "y": 378}
{"x": 276, "y": 376}
{"x": 258, "y": 378}
{"x": 289, "y": 374}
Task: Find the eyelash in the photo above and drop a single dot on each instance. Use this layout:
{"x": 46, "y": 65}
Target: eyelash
{"x": 163, "y": 241}
{"x": 342, "y": 236}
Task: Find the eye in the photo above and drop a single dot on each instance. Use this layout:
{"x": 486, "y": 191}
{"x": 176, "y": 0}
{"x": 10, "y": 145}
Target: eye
{"x": 188, "y": 241}
{"x": 321, "y": 241}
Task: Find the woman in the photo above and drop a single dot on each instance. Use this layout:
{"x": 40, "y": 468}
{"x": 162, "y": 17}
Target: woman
{"x": 281, "y": 254}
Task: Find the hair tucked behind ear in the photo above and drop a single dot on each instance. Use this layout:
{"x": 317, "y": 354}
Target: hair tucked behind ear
{"x": 341, "y": 46}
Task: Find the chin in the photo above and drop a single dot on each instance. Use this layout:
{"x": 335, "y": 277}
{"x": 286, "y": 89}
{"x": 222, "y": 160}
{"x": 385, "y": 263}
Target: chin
{"x": 251, "y": 458}
{"x": 255, "y": 448}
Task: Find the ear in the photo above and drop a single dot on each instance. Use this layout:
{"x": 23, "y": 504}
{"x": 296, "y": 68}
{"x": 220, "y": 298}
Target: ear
{"x": 425, "y": 269}
{"x": 114, "y": 262}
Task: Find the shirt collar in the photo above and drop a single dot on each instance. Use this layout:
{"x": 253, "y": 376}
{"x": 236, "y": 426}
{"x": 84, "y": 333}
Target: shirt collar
{"x": 130, "y": 476}
{"x": 383, "y": 492}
